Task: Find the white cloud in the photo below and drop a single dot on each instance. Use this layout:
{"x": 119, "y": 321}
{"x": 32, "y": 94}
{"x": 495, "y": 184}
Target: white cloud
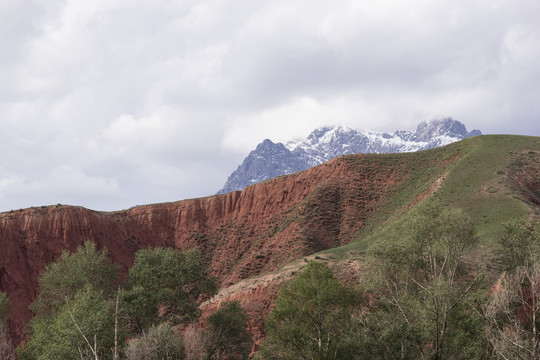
{"x": 160, "y": 100}
{"x": 299, "y": 117}
{"x": 126, "y": 132}
{"x": 63, "y": 184}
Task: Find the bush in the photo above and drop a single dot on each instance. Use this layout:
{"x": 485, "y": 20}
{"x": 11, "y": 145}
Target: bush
{"x": 312, "y": 318}
{"x": 72, "y": 273}
{"x": 160, "y": 343}
{"x": 228, "y": 337}
{"x": 164, "y": 285}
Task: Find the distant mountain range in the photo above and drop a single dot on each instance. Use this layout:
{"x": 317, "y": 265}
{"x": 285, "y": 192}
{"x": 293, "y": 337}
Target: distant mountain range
{"x": 269, "y": 159}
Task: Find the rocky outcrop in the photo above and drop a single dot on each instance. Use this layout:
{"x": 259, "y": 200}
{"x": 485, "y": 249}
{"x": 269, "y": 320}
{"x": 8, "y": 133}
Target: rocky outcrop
{"x": 240, "y": 234}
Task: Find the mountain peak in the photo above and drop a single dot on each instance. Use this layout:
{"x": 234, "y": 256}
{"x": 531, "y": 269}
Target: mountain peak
{"x": 441, "y": 126}
{"x": 267, "y": 144}
{"x": 270, "y": 159}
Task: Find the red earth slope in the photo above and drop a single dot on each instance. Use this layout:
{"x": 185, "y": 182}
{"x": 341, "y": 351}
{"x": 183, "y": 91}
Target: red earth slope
{"x": 240, "y": 234}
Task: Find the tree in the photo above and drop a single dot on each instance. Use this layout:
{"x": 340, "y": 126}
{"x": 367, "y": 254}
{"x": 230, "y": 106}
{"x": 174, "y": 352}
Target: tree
{"x": 75, "y": 310}
{"x": 312, "y": 318}
{"x": 224, "y": 337}
{"x": 82, "y": 328}
{"x": 159, "y": 343}
{"x": 164, "y": 285}
{"x": 513, "y": 310}
{"x": 228, "y": 337}
{"x": 420, "y": 276}
{"x": 196, "y": 342}
{"x": 521, "y": 244}
{"x": 73, "y": 272}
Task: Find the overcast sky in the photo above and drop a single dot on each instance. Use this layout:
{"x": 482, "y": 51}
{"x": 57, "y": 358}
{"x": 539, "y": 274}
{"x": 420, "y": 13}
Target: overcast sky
{"x": 112, "y": 103}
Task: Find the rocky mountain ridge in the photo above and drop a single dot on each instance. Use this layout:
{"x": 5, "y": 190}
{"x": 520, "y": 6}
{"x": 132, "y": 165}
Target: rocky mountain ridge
{"x": 271, "y": 159}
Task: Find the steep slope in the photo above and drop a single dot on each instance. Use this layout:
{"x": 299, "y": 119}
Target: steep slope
{"x": 493, "y": 178}
{"x": 269, "y": 160}
{"x": 348, "y": 200}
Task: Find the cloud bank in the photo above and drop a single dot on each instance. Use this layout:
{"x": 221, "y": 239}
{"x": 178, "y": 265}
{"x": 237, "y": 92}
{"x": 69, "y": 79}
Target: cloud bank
{"x": 109, "y": 104}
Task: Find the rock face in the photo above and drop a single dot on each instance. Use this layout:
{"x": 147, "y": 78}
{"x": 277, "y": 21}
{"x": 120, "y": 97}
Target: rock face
{"x": 269, "y": 160}
{"x": 240, "y": 234}
{"x": 257, "y": 295}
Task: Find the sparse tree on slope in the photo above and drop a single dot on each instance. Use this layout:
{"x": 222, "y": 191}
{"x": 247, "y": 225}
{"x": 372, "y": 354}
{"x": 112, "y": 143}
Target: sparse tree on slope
{"x": 513, "y": 312}
{"x": 82, "y": 328}
{"x": 419, "y": 274}
{"x": 75, "y": 310}
{"x": 158, "y": 343}
{"x": 312, "y": 318}
{"x": 164, "y": 285}
{"x": 73, "y": 272}
{"x": 227, "y": 334}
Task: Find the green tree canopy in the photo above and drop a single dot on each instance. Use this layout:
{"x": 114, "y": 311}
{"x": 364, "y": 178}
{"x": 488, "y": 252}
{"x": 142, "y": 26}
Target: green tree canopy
{"x": 312, "y": 318}
{"x": 72, "y": 273}
{"x": 164, "y": 284}
{"x": 76, "y": 299}
{"x": 420, "y": 275}
{"x": 228, "y": 337}
{"x": 521, "y": 244}
{"x": 62, "y": 336}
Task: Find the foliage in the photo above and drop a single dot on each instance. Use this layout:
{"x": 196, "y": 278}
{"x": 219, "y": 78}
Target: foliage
{"x": 77, "y": 308}
{"x": 419, "y": 275}
{"x": 312, "y": 318}
{"x": 513, "y": 311}
{"x": 466, "y": 337}
{"x": 72, "y": 273}
{"x": 385, "y": 336}
{"x": 228, "y": 337}
{"x": 76, "y": 301}
{"x": 164, "y": 284}
{"x": 159, "y": 343}
{"x": 469, "y": 168}
{"x": 82, "y": 322}
{"x": 6, "y": 347}
{"x": 196, "y": 342}
{"x": 521, "y": 243}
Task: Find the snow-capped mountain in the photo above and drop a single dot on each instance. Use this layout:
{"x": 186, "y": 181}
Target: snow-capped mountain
{"x": 269, "y": 159}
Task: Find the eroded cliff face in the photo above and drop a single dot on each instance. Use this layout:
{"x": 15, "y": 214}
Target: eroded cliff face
{"x": 257, "y": 294}
{"x": 240, "y": 234}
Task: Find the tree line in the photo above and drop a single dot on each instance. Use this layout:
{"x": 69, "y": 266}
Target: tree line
{"x": 84, "y": 311}
{"x": 425, "y": 295}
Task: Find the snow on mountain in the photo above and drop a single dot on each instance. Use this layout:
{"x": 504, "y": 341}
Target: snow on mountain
{"x": 269, "y": 159}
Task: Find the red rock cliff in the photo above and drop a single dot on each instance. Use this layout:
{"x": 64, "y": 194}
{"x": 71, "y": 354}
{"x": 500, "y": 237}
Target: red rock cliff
{"x": 240, "y": 234}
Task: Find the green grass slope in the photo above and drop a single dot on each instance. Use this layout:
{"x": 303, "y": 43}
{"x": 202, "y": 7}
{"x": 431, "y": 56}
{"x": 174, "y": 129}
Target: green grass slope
{"x": 364, "y": 198}
{"x": 493, "y": 178}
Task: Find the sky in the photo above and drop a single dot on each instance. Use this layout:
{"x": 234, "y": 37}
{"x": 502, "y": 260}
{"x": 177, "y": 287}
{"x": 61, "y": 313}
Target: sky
{"x": 109, "y": 104}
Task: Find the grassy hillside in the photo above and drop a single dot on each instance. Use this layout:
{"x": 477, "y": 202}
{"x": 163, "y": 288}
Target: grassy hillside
{"x": 493, "y": 178}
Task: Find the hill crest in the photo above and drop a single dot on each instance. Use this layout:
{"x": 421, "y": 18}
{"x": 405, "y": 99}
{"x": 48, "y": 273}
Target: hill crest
{"x": 271, "y": 159}
{"x": 246, "y": 233}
